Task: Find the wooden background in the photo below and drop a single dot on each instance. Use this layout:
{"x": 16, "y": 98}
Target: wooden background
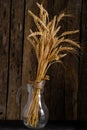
{"x": 66, "y": 92}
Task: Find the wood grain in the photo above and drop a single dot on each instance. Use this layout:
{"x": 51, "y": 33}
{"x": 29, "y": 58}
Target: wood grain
{"x": 82, "y": 93}
{"x": 71, "y": 63}
{"x": 56, "y": 72}
{"x": 15, "y": 58}
{"x": 4, "y": 50}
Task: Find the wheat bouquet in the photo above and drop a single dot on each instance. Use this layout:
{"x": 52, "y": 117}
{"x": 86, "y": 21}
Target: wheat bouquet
{"x": 50, "y": 47}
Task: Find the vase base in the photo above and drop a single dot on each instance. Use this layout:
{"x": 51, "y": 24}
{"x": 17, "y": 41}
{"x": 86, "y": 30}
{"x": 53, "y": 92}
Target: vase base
{"x": 40, "y": 125}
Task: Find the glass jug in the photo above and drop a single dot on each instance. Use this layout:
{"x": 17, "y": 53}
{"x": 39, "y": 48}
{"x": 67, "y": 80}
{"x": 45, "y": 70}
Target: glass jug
{"x": 42, "y": 111}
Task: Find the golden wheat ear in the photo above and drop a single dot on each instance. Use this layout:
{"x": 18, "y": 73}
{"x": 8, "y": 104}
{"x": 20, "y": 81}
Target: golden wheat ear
{"x": 46, "y": 42}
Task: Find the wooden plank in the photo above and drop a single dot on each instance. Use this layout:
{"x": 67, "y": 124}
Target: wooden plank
{"x": 71, "y": 71}
{"x": 56, "y": 72}
{"x": 15, "y": 64}
{"x": 82, "y": 94}
{"x": 56, "y": 93}
{"x": 4, "y": 47}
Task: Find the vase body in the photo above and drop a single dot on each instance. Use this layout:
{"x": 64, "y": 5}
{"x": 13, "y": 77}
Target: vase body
{"x": 42, "y": 111}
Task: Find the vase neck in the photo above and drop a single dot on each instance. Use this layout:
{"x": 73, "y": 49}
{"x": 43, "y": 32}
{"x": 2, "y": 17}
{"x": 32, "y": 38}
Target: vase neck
{"x": 36, "y": 85}
{"x": 40, "y": 85}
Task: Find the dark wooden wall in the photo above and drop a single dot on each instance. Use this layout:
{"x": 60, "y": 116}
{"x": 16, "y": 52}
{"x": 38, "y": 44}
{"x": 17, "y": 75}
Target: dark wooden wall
{"x": 66, "y": 92}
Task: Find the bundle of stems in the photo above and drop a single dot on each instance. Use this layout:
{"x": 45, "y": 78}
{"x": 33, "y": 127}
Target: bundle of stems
{"x": 50, "y": 47}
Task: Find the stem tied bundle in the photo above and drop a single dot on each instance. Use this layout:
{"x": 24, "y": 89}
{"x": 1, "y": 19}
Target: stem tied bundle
{"x": 32, "y": 117}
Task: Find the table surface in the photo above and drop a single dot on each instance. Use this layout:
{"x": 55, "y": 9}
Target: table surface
{"x": 51, "y": 125}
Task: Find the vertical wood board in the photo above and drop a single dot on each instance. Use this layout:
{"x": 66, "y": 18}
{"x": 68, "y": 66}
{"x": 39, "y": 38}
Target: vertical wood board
{"x": 15, "y": 58}
{"x": 4, "y": 50}
{"x": 71, "y": 62}
{"x": 82, "y": 93}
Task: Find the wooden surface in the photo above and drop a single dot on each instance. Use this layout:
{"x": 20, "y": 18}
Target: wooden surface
{"x": 71, "y": 71}
{"x": 15, "y": 58}
{"x": 65, "y": 93}
{"x": 82, "y": 91}
{"x": 4, "y": 51}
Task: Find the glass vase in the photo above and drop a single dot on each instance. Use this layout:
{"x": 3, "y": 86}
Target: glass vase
{"x": 39, "y": 108}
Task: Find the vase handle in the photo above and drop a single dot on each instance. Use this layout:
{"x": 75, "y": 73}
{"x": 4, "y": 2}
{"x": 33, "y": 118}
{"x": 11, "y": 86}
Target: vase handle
{"x": 18, "y": 95}
{"x": 29, "y": 89}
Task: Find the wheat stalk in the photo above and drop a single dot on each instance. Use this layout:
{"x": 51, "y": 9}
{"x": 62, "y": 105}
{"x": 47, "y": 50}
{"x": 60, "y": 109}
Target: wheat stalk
{"x": 50, "y": 47}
